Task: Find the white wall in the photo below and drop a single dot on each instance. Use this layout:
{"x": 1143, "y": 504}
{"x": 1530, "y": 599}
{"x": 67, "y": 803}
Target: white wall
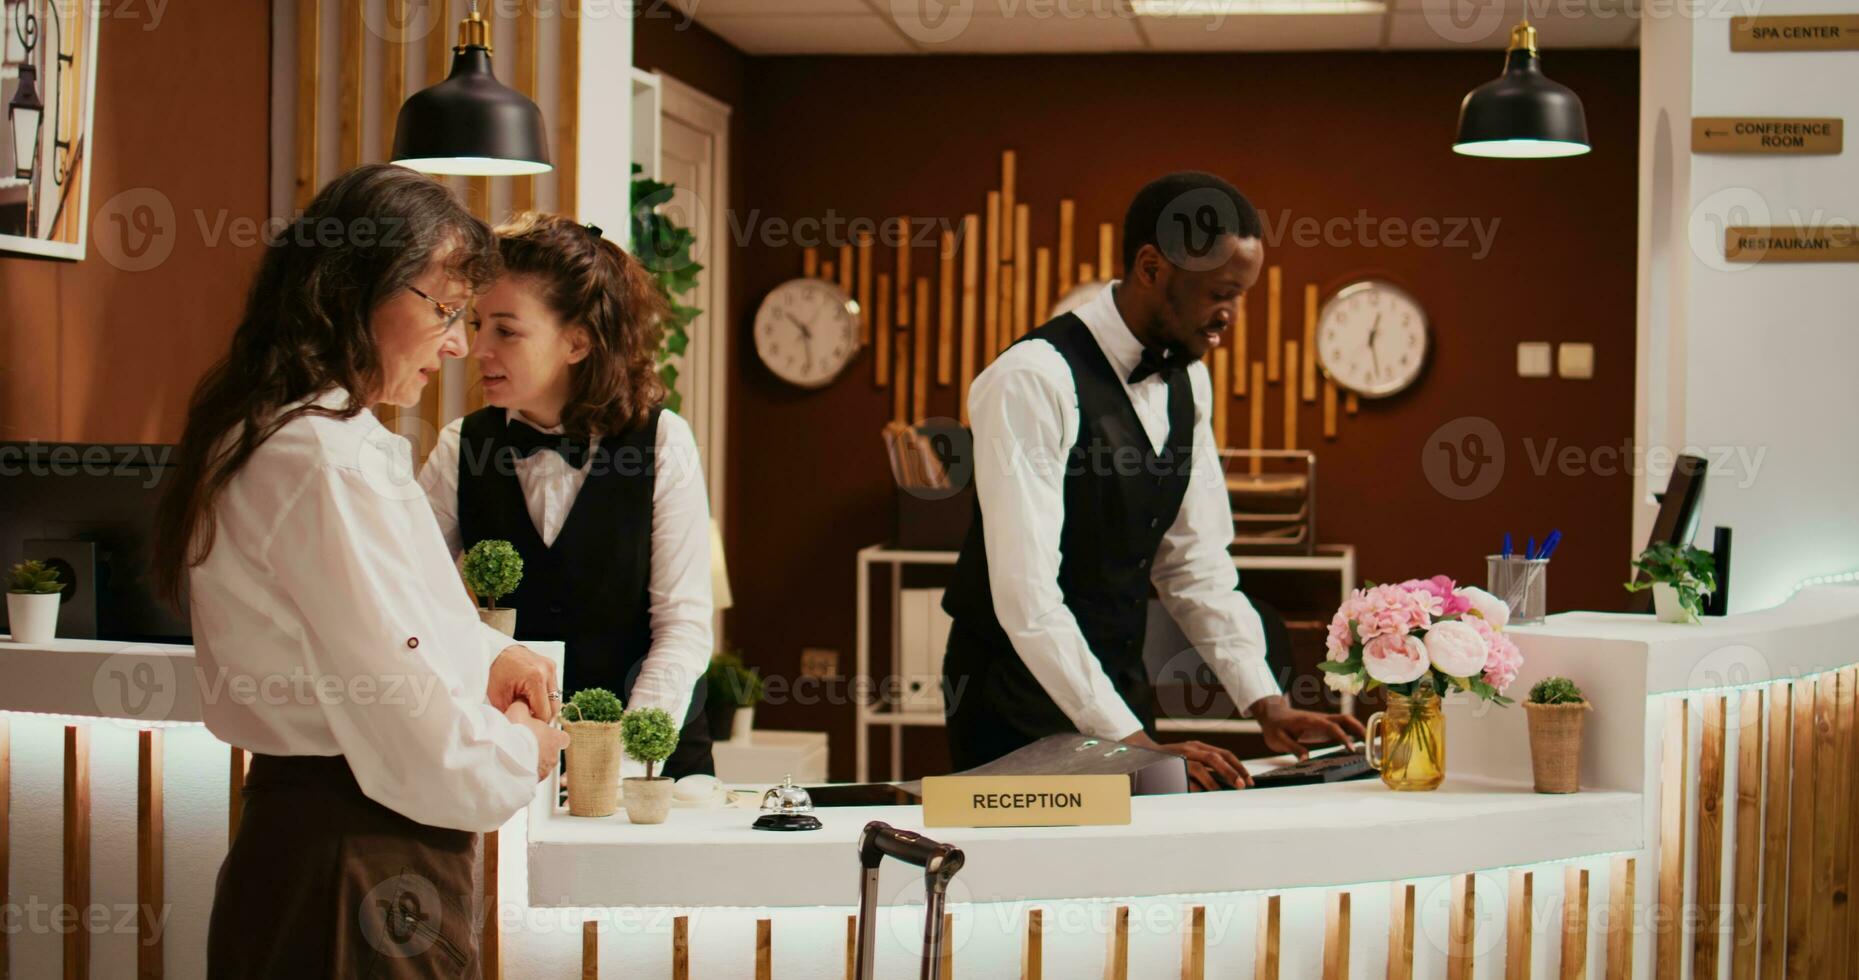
{"x": 1753, "y": 364}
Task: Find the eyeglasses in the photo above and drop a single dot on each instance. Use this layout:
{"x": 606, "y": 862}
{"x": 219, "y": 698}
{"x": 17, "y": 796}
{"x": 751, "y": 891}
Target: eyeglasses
{"x": 449, "y": 313}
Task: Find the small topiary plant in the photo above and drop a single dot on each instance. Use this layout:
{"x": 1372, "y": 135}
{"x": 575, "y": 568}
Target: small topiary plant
{"x": 33, "y": 578}
{"x": 649, "y": 735}
{"x": 1556, "y": 690}
{"x": 732, "y": 682}
{"x": 594, "y": 704}
{"x": 493, "y": 570}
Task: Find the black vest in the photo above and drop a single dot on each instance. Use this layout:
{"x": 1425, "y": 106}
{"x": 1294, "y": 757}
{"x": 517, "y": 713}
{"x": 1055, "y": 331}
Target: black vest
{"x": 589, "y": 589}
{"x": 1121, "y": 496}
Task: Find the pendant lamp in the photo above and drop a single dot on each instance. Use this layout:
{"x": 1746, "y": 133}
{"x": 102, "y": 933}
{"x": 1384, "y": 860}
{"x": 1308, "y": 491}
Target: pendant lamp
{"x": 471, "y": 123}
{"x": 1522, "y": 113}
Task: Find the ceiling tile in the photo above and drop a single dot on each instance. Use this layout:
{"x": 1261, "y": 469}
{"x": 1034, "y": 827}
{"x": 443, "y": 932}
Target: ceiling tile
{"x": 1479, "y": 24}
{"x": 1265, "y": 32}
{"x": 1007, "y": 27}
{"x": 762, "y": 34}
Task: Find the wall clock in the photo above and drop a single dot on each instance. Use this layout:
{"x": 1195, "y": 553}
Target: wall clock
{"x": 807, "y": 332}
{"x": 1372, "y": 338}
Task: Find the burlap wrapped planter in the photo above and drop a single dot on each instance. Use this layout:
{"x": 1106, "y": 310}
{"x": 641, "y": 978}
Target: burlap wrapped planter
{"x": 1555, "y": 745}
{"x": 593, "y": 767}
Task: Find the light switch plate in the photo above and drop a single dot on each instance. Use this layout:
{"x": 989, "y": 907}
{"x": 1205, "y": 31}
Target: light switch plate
{"x": 1533, "y": 360}
{"x": 1575, "y": 361}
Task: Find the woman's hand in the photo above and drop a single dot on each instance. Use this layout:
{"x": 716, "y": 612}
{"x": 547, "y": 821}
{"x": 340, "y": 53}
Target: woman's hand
{"x": 550, "y": 741}
{"x": 520, "y": 674}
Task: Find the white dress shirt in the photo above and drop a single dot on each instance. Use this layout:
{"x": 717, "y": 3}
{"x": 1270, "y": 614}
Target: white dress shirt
{"x": 327, "y": 621}
{"x": 1024, "y": 410}
{"x": 680, "y": 601}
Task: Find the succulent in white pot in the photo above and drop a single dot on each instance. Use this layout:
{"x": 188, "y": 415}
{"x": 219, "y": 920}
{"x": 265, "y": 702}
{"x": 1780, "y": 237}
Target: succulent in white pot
{"x": 33, "y": 593}
{"x": 493, "y": 569}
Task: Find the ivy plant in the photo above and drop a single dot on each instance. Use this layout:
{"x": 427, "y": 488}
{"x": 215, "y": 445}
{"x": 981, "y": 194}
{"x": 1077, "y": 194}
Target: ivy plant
{"x": 664, "y": 247}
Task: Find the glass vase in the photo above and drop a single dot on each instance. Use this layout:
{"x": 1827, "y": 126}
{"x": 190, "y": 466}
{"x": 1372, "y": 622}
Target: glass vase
{"x": 1407, "y": 742}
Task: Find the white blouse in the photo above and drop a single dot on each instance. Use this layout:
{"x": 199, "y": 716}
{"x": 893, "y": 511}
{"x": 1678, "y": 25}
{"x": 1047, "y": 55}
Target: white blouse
{"x": 680, "y": 593}
{"x": 1025, "y": 413}
{"x": 327, "y": 621}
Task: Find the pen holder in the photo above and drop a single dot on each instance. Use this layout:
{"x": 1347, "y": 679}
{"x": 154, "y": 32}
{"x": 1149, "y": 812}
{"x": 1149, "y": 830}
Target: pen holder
{"x": 1523, "y": 584}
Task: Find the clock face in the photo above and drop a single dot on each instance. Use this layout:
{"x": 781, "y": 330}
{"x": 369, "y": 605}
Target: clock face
{"x": 807, "y": 332}
{"x": 1372, "y": 338}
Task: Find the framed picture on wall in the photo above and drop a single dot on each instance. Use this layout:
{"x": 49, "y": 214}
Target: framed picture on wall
{"x": 48, "y": 81}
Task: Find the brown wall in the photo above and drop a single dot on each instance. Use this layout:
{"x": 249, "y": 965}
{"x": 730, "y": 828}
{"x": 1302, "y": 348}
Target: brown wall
{"x": 1315, "y": 135}
{"x": 89, "y": 351}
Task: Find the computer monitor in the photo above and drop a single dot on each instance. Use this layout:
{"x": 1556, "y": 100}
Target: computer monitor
{"x": 1677, "y": 522}
{"x": 90, "y": 510}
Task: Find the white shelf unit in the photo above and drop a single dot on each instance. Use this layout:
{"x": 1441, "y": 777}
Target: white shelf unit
{"x": 1339, "y": 559}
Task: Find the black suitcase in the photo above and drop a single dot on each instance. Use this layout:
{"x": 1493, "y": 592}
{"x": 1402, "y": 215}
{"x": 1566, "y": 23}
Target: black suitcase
{"x": 939, "y": 862}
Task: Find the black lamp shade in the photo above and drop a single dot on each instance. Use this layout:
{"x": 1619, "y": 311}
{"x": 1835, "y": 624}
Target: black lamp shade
{"x": 1522, "y": 113}
{"x": 471, "y": 124}
{"x": 23, "y": 114}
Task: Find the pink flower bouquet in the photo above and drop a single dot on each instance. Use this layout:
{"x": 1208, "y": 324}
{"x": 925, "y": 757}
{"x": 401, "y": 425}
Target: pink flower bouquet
{"x": 1422, "y": 633}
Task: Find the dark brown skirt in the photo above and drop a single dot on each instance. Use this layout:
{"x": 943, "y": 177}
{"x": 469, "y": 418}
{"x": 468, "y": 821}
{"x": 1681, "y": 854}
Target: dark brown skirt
{"x": 322, "y": 881}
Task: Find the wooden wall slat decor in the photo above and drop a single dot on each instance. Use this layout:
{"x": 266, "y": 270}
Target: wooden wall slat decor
{"x": 920, "y": 358}
{"x": 1239, "y": 352}
{"x": 1462, "y": 931}
{"x": 1032, "y": 947}
{"x": 1519, "y": 929}
{"x": 1841, "y": 899}
{"x": 1106, "y": 252}
{"x": 1401, "y": 931}
{"x": 1622, "y": 901}
{"x": 1255, "y": 420}
{"x": 1068, "y": 216}
{"x": 971, "y": 231}
{"x": 568, "y": 112}
{"x": 77, "y": 849}
{"x": 150, "y": 854}
{"x": 1668, "y": 924}
{"x": 1772, "y": 915}
{"x": 1022, "y": 270}
{"x": 764, "y": 949}
{"x": 1042, "y": 285}
{"x": 309, "y": 68}
{"x": 864, "y": 288}
{"x": 523, "y": 78}
{"x": 1274, "y": 321}
{"x": 1710, "y": 839}
{"x": 1801, "y": 833}
{"x": 1336, "y": 937}
{"x": 1852, "y": 808}
{"x": 1194, "y": 944}
{"x": 1222, "y": 366}
{"x": 902, "y": 309}
{"x": 1574, "y": 923}
{"x": 1827, "y": 802}
{"x": 990, "y": 279}
{"x": 348, "y": 86}
{"x": 1117, "y": 955}
{"x": 881, "y": 330}
{"x": 1265, "y": 957}
{"x": 1009, "y": 200}
{"x": 851, "y": 947}
{"x": 681, "y": 948}
{"x": 810, "y": 263}
{"x": 1746, "y": 887}
{"x": 1310, "y": 342}
{"x": 945, "y": 311}
{"x": 590, "y": 950}
{"x": 945, "y": 964}
{"x": 1290, "y": 396}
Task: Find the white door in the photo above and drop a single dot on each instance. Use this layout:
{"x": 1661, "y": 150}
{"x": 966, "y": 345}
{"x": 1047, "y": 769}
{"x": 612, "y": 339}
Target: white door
{"x": 694, "y": 158}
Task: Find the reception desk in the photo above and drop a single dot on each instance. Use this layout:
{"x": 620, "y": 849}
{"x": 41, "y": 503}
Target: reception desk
{"x": 1715, "y": 827}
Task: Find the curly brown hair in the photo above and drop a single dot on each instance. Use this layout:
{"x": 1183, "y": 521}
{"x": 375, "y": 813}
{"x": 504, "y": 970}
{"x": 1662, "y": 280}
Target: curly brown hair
{"x": 590, "y": 282}
{"x": 367, "y": 235}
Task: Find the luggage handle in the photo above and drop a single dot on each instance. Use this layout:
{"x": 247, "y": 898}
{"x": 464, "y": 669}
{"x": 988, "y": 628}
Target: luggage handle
{"x": 881, "y": 839}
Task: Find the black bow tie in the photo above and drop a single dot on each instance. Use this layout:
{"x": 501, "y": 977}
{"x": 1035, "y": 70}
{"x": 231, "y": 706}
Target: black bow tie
{"x": 527, "y": 442}
{"x": 1157, "y": 361}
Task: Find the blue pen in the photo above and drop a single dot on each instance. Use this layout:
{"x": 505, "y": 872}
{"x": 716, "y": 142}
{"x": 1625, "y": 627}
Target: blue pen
{"x": 1549, "y": 546}
{"x": 1529, "y": 550}
{"x": 1506, "y": 544}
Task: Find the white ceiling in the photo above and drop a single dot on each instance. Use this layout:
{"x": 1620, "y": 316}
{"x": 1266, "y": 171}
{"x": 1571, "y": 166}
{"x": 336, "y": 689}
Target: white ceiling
{"x": 869, "y": 27}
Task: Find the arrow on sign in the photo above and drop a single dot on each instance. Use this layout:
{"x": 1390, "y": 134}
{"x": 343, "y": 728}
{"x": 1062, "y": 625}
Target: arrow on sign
{"x": 1713, "y": 132}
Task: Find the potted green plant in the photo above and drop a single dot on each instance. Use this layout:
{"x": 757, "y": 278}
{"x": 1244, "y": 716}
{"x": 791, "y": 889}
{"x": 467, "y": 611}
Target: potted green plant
{"x": 593, "y": 751}
{"x": 1680, "y": 578}
{"x": 649, "y": 734}
{"x": 33, "y": 593}
{"x": 1556, "y": 711}
{"x": 734, "y": 691}
{"x": 493, "y": 570}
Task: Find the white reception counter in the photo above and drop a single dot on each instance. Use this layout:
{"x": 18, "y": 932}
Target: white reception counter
{"x": 1717, "y": 773}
